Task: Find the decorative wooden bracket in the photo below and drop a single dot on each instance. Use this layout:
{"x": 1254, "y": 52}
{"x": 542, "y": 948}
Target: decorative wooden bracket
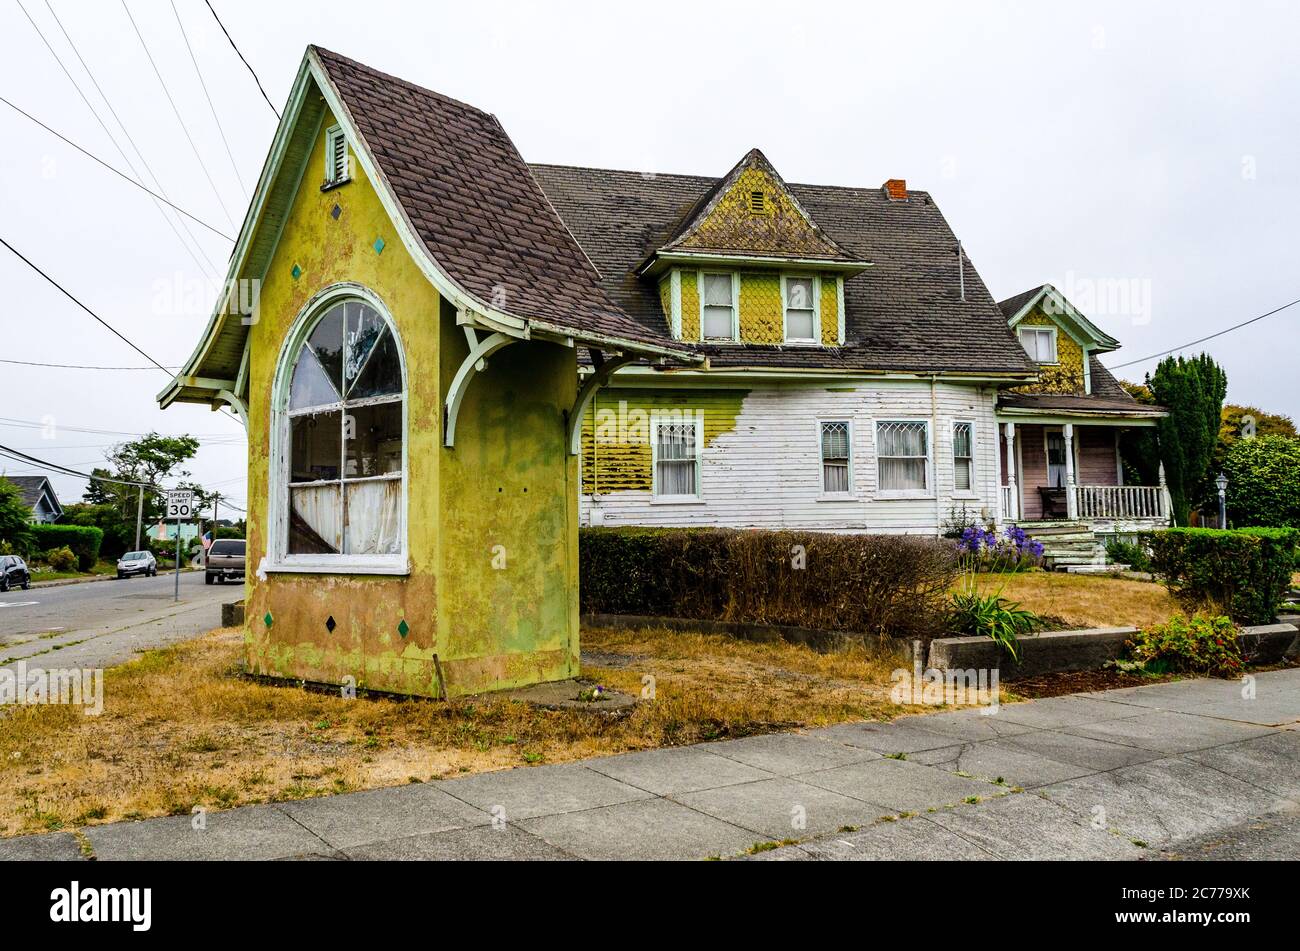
{"x": 474, "y": 362}
{"x": 604, "y": 369}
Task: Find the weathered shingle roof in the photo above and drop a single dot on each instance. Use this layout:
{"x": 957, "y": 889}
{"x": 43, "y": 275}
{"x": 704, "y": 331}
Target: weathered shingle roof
{"x": 30, "y": 488}
{"x": 1107, "y": 396}
{"x": 474, "y": 203}
{"x": 903, "y": 314}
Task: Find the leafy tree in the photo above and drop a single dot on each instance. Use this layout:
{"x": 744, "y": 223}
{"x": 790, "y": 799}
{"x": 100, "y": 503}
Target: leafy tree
{"x": 98, "y": 493}
{"x": 1264, "y": 481}
{"x": 149, "y": 459}
{"x": 15, "y": 530}
{"x": 119, "y": 533}
{"x": 1237, "y": 422}
{"x": 1193, "y": 390}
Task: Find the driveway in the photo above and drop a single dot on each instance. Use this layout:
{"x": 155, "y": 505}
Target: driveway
{"x": 1197, "y": 768}
{"x": 104, "y": 623}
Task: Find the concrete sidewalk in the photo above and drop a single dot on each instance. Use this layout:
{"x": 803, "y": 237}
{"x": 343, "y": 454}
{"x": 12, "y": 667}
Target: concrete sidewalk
{"x": 1188, "y": 768}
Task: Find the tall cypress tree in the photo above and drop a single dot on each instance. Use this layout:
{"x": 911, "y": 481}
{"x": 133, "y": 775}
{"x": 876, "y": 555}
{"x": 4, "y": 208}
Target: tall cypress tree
{"x": 1193, "y": 390}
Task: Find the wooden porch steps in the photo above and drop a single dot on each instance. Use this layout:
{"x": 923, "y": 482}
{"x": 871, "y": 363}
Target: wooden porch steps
{"x": 1067, "y": 544}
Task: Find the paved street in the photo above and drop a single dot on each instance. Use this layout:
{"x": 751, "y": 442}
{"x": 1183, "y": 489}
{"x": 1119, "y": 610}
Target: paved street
{"x": 1181, "y": 770}
{"x": 103, "y": 623}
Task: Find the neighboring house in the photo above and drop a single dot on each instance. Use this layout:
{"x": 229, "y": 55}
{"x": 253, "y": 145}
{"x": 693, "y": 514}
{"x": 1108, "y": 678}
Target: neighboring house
{"x": 860, "y": 377}
{"x": 38, "y": 495}
{"x": 166, "y": 531}
{"x": 400, "y": 332}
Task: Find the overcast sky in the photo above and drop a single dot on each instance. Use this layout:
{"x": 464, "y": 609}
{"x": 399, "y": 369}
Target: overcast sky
{"x": 1144, "y": 158}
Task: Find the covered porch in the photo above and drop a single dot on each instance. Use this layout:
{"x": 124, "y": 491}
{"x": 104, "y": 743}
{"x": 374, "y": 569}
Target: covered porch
{"x": 1060, "y": 469}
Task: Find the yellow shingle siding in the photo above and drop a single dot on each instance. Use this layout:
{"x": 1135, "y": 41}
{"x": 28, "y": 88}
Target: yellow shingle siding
{"x": 830, "y": 305}
{"x": 621, "y": 460}
{"x": 690, "y": 306}
{"x": 781, "y": 228}
{"x": 762, "y": 318}
{"x": 1066, "y": 375}
{"x": 666, "y": 299}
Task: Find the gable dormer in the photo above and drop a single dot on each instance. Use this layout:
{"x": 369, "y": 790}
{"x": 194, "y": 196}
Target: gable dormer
{"x": 747, "y": 264}
{"x": 1058, "y": 338}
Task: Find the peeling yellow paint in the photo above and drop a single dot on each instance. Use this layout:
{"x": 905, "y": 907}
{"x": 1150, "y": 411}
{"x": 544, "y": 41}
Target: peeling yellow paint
{"x": 1064, "y": 376}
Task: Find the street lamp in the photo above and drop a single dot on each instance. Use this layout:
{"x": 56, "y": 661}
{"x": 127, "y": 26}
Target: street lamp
{"x": 1222, "y": 483}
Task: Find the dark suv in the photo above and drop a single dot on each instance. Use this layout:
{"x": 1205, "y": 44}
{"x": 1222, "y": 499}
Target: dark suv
{"x": 14, "y": 573}
{"x": 225, "y": 561}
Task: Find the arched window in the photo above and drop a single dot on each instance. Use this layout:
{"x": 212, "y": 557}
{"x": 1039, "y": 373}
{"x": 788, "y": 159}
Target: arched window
{"x": 342, "y": 432}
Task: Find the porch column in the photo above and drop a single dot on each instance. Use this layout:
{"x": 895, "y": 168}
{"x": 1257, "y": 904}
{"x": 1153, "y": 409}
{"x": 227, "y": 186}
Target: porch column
{"x": 1071, "y": 504}
{"x": 1012, "y": 496}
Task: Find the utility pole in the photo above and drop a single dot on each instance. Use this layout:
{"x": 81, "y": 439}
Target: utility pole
{"x": 139, "y": 517}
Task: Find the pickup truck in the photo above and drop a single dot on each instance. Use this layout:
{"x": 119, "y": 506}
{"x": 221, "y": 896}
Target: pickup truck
{"x": 225, "y": 561}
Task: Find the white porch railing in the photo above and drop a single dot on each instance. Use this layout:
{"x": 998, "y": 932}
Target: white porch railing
{"x": 1007, "y": 504}
{"x": 1118, "y": 501}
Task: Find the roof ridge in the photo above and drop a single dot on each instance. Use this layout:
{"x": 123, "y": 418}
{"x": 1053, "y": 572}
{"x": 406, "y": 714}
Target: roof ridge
{"x": 391, "y": 77}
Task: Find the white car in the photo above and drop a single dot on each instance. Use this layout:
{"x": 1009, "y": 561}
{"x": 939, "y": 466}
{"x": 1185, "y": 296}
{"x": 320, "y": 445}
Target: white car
{"x": 136, "y": 563}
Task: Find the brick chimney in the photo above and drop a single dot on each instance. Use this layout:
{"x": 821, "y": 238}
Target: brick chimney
{"x": 896, "y": 189}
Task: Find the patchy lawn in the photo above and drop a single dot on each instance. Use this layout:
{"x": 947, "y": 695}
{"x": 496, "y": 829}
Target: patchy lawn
{"x": 1085, "y": 600}
{"x": 182, "y": 727}
{"x": 46, "y": 573}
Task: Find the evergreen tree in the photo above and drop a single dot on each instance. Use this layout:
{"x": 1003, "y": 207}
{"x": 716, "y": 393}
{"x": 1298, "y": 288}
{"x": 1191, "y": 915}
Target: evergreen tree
{"x": 1193, "y": 390}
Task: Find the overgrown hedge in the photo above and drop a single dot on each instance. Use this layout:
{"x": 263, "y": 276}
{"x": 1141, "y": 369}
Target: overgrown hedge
{"x": 1244, "y": 571}
{"x": 876, "y": 585}
{"x": 84, "y": 540}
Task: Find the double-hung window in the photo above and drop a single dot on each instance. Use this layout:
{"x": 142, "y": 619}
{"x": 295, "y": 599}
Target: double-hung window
{"x": 800, "y": 310}
{"x": 718, "y": 307}
{"x": 344, "y": 464}
{"x": 1039, "y": 343}
{"x": 963, "y": 457}
{"x": 903, "y": 456}
{"x": 837, "y": 477}
{"x": 676, "y": 458}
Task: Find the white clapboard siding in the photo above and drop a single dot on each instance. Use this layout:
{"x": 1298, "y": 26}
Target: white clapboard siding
{"x": 766, "y": 473}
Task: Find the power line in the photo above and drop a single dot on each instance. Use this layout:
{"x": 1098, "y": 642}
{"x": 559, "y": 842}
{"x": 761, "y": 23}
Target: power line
{"x": 120, "y": 151}
{"x": 244, "y": 61}
{"x": 208, "y": 96}
{"x": 66, "y": 293}
{"x": 1244, "y": 323}
{"x": 118, "y": 172}
{"x": 9, "y": 421}
{"x": 75, "y": 366}
{"x": 172, "y": 102}
{"x": 17, "y": 456}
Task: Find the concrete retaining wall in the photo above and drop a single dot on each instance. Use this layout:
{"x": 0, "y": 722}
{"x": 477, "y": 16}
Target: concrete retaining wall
{"x": 1054, "y": 652}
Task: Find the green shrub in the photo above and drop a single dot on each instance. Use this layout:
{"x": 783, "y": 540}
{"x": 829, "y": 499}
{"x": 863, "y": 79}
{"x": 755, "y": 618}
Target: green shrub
{"x": 84, "y": 540}
{"x": 877, "y": 585}
{"x": 990, "y": 615}
{"x": 1264, "y": 481}
{"x": 1202, "y": 645}
{"x": 1127, "y": 553}
{"x": 61, "y": 559}
{"x": 1244, "y": 572}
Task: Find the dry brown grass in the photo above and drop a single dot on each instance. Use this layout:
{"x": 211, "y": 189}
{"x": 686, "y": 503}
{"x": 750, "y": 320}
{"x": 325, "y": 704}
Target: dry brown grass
{"x": 182, "y": 728}
{"x": 1085, "y": 600}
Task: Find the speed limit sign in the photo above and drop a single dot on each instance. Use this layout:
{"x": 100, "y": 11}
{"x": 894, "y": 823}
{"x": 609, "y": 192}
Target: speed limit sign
{"x": 180, "y": 503}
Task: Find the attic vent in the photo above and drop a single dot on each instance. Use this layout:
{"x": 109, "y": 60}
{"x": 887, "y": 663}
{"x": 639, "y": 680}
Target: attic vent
{"x": 336, "y": 157}
{"x": 757, "y": 203}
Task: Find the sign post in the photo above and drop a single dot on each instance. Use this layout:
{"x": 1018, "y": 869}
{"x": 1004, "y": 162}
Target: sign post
{"x": 180, "y": 504}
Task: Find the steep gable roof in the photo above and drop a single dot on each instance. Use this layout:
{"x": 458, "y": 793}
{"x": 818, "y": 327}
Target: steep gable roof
{"x": 31, "y": 488}
{"x": 1055, "y": 305}
{"x": 903, "y": 314}
{"x": 750, "y": 211}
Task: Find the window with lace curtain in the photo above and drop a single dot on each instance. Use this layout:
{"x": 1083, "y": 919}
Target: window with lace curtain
{"x": 837, "y": 477}
{"x": 963, "y": 457}
{"x": 343, "y": 424}
{"x": 903, "y": 456}
{"x": 800, "y": 309}
{"x": 676, "y": 458}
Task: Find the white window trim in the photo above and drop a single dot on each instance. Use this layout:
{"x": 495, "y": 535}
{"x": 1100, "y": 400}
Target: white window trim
{"x": 686, "y": 416}
{"x": 839, "y": 305}
{"x": 735, "y": 305}
{"x": 823, "y": 495}
{"x": 816, "y": 338}
{"x": 277, "y": 558}
{"x": 332, "y": 175}
{"x": 1021, "y": 329}
{"x": 929, "y": 491}
{"x": 973, "y": 491}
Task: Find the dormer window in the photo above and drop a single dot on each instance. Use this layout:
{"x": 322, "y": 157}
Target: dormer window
{"x": 718, "y": 307}
{"x": 1039, "y": 343}
{"x": 800, "y": 309}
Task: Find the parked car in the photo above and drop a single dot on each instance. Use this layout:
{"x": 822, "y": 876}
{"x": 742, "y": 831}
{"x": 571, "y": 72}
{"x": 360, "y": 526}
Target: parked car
{"x": 14, "y": 573}
{"x": 225, "y": 561}
{"x": 136, "y": 563}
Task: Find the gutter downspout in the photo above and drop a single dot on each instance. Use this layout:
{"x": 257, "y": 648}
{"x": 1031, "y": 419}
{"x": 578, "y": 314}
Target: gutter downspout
{"x": 934, "y": 451}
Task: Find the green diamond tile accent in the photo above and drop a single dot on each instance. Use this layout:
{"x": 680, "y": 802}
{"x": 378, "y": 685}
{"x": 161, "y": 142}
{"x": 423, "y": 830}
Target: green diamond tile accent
{"x": 379, "y": 245}
{"x": 403, "y": 628}
{"x": 268, "y": 619}
{"x": 296, "y": 272}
